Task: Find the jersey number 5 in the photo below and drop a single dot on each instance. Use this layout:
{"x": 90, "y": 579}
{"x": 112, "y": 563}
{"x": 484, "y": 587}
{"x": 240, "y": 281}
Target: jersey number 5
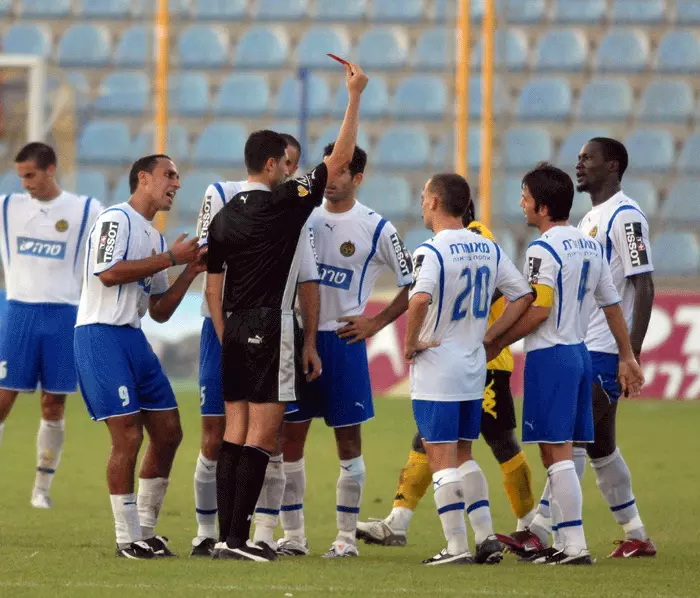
{"x": 480, "y": 302}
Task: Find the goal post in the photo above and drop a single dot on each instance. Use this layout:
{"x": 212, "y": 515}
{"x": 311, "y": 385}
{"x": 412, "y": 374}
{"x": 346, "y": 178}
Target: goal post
{"x": 35, "y": 68}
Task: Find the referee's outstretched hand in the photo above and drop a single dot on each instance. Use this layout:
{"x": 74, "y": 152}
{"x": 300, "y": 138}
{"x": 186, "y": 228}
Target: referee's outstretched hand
{"x": 185, "y": 251}
{"x": 355, "y": 78}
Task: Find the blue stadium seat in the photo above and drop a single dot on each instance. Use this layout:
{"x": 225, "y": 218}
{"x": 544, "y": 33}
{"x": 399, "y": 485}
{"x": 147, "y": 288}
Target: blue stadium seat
{"x": 177, "y": 142}
{"x": 572, "y": 144}
{"x": 382, "y": 48}
{"x": 415, "y": 236}
{"x": 45, "y": 9}
{"x": 522, "y": 11}
{"x": 92, "y": 183}
{"x": 5, "y": 6}
{"x": 606, "y": 100}
{"x": 123, "y": 93}
{"x": 288, "y": 99}
{"x": 501, "y": 99}
{"x": 443, "y": 156}
{"x": 644, "y": 193}
{"x": 523, "y": 147}
{"x": 77, "y": 81}
{"x": 148, "y": 7}
{"x": 135, "y": 48}
{"x": 389, "y": 195}
{"x": 329, "y": 135}
{"x": 10, "y": 182}
{"x": 446, "y": 10}
{"x": 580, "y": 207}
{"x": 261, "y": 47}
{"x": 688, "y": 12}
{"x": 650, "y": 150}
{"x": 420, "y": 97}
{"x": 281, "y": 10}
{"x": 623, "y": 51}
{"x": 27, "y": 38}
{"x": 340, "y": 11}
{"x": 648, "y": 12}
{"x": 104, "y": 142}
{"x": 506, "y": 194}
{"x": 188, "y": 94}
{"x": 679, "y": 52}
{"x": 121, "y": 191}
{"x": 510, "y": 48}
{"x": 689, "y": 160}
{"x": 242, "y": 95}
{"x": 220, "y": 145}
{"x": 189, "y": 196}
{"x": 585, "y": 12}
{"x": 391, "y": 11}
{"x": 561, "y": 50}
{"x": 317, "y": 42}
{"x": 203, "y": 47}
{"x": 392, "y": 151}
{"x": 676, "y": 254}
{"x": 506, "y": 241}
{"x": 84, "y": 46}
{"x": 681, "y": 205}
{"x": 434, "y": 50}
{"x": 544, "y": 99}
{"x": 666, "y": 102}
{"x": 220, "y": 10}
{"x": 375, "y": 99}
{"x": 106, "y": 9}
{"x": 286, "y": 126}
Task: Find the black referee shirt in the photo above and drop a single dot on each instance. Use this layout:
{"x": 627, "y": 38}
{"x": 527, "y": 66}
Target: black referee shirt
{"x": 256, "y": 235}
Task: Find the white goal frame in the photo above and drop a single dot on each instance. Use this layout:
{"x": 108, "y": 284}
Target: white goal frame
{"x": 36, "y": 91}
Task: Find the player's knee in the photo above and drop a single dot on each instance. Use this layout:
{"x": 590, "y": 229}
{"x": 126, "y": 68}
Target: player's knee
{"x": 601, "y": 448}
{"x": 293, "y": 440}
{"x": 52, "y": 407}
{"x": 349, "y": 442}
{"x": 128, "y": 441}
{"x": 7, "y": 399}
{"x": 504, "y": 446}
{"x": 417, "y": 444}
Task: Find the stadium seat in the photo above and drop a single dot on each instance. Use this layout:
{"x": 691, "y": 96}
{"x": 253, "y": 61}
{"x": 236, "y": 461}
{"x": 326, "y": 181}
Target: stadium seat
{"x": 403, "y": 148}
{"x": 104, "y": 142}
{"x": 623, "y": 51}
{"x": 679, "y": 52}
{"x": 689, "y": 160}
{"x": 317, "y": 42}
{"x": 10, "y": 182}
{"x": 149, "y": 7}
{"x": 375, "y": 99}
{"x": 389, "y": 195}
{"x": 123, "y": 94}
{"x": 510, "y": 46}
{"x": 644, "y": 193}
{"x": 650, "y": 150}
{"x": 522, "y": 11}
{"x": 544, "y": 99}
{"x": 443, "y": 156}
{"x": 523, "y": 147}
{"x": 177, "y": 143}
{"x": 681, "y": 205}
{"x": 188, "y": 94}
{"x": 501, "y": 98}
{"x": 666, "y": 102}
{"x": 506, "y": 241}
{"x": 135, "y": 48}
{"x": 391, "y": 11}
{"x": 92, "y": 183}
{"x": 329, "y": 135}
{"x": 262, "y": 47}
{"x": 106, "y": 9}
{"x": 562, "y": 50}
{"x": 435, "y": 50}
{"x": 606, "y": 100}
{"x": 648, "y": 12}
{"x": 220, "y": 145}
{"x": 446, "y": 10}
{"x": 572, "y": 144}
{"x": 5, "y": 6}
{"x": 288, "y": 99}
{"x": 220, "y": 10}
{"x": 242, "y": 95}
{"x": 202, "y": 47}
{"x": 580, "y": 207}
{"x": 420, "y": 97}
{"x": 688, "y": 12}
{"x": 505, "y": 198}
{"x": 281, "y": 10}
{"x": 415, "y": 236}
{"x": 121, "y": 191}
{"x": 45, "y": 9}
{"x": 340, "y": 11}
{"x": 27, "y": 38}
{"x": 189, "y": 196}
{"x": 382, "y": 48}
{"x": 585, "y": 12}
{"x": 84, "y": 46}
{"x": 78, "y": 82}
{"x": 676, "y": 254}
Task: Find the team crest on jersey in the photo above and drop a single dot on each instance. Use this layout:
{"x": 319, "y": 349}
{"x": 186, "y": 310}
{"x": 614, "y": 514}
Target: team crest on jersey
{"x": 347, "y": 249}
{"x": 303, "y": 191}
{"x": 533, "y": 267}
{"x": 62, "y": 225}
{"x": 594, "y": 232}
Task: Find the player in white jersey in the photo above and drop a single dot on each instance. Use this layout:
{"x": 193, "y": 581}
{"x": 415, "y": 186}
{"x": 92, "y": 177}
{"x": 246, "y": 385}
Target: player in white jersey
{"x": 570, "y": 276}
{"x": 456, "y": 275}
{"x": 42, "y": 239}
{"x": 121, "y": 379}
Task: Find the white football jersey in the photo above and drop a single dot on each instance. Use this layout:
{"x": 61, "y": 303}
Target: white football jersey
{"x": 352, "y": 249}
{"x": 622, "y": 228}
{"x": 460, "y": 270}
{"x": 43, "y": 246}
{"x": 573, "y": 264}
{"x": 120, "y": 233}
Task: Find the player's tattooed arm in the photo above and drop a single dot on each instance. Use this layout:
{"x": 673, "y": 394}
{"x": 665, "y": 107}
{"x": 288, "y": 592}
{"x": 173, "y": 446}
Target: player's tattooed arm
{"x": 214, "y": 294}
{"x": 310, "y": 306}
{"x": 361, "y": 327}
{"x": 643, "y": 303}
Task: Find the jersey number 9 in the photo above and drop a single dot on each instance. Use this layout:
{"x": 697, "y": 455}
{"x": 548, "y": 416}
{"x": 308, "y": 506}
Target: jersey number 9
{"x": 480, "y": 301}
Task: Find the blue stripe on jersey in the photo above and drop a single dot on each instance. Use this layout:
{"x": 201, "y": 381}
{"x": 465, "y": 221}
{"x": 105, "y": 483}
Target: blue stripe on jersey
{"x": 442, "y": 281}
{"x": 608, "y": 240}
{"x": 375, "y": 242}
{"x": 162, "y": 243}
{"x": 549, "y": 248}
{"x": 5, "y": 202}
{"x": 83, "y": 224}
{"x": 220, "y": 189}
{"x": 498, "y": 255}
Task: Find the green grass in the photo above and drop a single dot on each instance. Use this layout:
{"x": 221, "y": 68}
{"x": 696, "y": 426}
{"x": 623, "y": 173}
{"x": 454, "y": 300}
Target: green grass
{"x": 68, "y": 551}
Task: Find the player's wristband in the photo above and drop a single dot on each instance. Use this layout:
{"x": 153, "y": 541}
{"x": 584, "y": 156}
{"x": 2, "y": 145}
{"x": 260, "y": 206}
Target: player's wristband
{"x": 172, "y": 257}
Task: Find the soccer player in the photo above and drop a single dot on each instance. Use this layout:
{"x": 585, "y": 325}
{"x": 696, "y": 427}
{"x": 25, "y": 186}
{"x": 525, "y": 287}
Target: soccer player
{"x": 258, "y": 237}
{"x": 121, "y": 379}
{"x": 42, "y": 255}
{"x": 456, "y": 275}
{"x": 569, "y": 273}
{"x": 498, "y": 429}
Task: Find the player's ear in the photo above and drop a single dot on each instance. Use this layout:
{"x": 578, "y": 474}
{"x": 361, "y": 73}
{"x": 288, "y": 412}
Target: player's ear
{"x": 51, "y": 170}
{"x": 357, "y": 179}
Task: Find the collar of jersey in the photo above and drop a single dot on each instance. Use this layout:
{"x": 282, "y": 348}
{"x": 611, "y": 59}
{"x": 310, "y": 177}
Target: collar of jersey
{"x": 339, "y": 215}
{"x": 248, "y": 186}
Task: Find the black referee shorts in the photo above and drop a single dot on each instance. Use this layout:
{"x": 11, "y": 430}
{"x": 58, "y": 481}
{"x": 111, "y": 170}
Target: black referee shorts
{"x": 261, "y": 356}
{"x": 497, "y": 408}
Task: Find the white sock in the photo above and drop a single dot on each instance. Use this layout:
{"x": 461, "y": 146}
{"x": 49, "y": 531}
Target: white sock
{"x": 348, "y": 494}
{"x": 399, "y": 519}
{"x": 615, "y": 482}
{"x": 476, "y": 499}
{"x": 267, "y": 511}
{"x": 524, "y": 522}
{"x": 205, "y": 497}
{"x": 580, "y": 458}
{"x": 292, "y": 511}
{"x": 449, "y": 500}
{"x": 541, "y": 524}
{"x": 567, "y": 506}
{"x": 49, "y": 446}
{"x": 150, "y": 500}
{"x": 126, "y": 518}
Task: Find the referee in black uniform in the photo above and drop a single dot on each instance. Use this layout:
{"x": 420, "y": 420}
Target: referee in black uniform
{"x": 255, "y": 247}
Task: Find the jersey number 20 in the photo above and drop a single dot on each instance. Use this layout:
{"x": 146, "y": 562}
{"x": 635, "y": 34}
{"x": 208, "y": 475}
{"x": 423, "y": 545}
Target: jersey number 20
{"x": 480, "y": 302}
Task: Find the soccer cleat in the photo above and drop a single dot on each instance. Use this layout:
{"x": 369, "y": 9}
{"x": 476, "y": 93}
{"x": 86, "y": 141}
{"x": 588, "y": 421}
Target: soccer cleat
{"x": 292, "y": 547}
{"x": 340, "y": 549}
{"x": 205, "y": 547}
{"x": 489, "y": 552}
{"x": 561, "y": 558}
{"x": 377, "y": 531}
{"x": 41, "y": 500}
{"x": 247, "y": 552}
{"x": 445, "y": 558}
{"x": 136, "y": 551}
{"x": 523, "y": 543}
{"x": 539, "y": 557}
{"x": 627, "y": 549}
{"x": 159, "y": 546}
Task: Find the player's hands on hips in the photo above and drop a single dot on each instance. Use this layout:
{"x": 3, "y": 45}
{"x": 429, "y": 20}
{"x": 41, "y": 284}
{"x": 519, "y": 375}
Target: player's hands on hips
{"x": 630, "y": 376}
{"x": 185, "y": 251}
{"x": 312, "y": 362}
{"x": 357, "y": 328}
{"x": 355, "y": 78}
{"x": 410, "y": 350}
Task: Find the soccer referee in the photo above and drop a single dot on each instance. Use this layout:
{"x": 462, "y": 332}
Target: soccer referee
{"x": 255, "y": 248}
